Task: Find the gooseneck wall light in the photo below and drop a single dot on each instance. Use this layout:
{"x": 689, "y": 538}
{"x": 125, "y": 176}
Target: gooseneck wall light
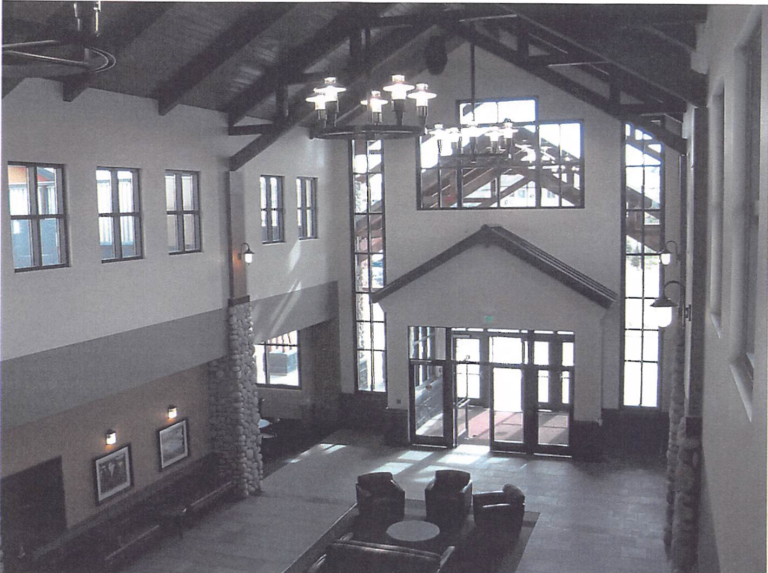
{"x": 666, "y": 256}
{"x": 110, "y": 437}
{"x": 664, "y": 306}
{"x": 245, "y": 253}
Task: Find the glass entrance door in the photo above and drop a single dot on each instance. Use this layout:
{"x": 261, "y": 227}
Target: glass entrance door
{"x": 508, "y": 425}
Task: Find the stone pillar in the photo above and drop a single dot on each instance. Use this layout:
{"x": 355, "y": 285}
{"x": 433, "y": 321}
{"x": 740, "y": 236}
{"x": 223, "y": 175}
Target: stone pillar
{"x": 676, "y": 413}
{"x": 233, "y": 403}
{"x": 685, "y": 527}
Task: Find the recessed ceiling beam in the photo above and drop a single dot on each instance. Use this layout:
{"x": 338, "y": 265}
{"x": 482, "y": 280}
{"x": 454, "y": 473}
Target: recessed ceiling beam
{"x": 221, "y": 49}
{"x": 118, "y": 37}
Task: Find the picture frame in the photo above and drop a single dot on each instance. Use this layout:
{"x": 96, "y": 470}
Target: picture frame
{"x": 173, "y": 443}
{"x": 113, "y": 473}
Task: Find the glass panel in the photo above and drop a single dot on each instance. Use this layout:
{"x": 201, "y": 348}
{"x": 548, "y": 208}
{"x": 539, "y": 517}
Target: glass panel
{"x": 633, "y": 317}
{"x": 566, "y": 387}
{"x": 364, "y": 336}
{"x": 362, "y": 263}
{"x": 553, "y": 428}
{"x": 377, "y": 274}
{"x": 265, "y": 226}
{"x": 364, "y": 370}
{"x": 567, "y": 351}
{"x": 125, "y": 191}
{"x": 570, "y": 141}
{"x": 283, "y": 365}
{"x": 467, "y": 350}
{"x": 274, "y": 193}
{"x": 19, "y": 187}
{"x": 188, "y": 192}
{"x": 508, "y": 405}
{"x": 50, "y": 242}
{"x": 170, "y": 192}
{"x": 633, "y": 280}
{"x": 652, "y": 276}
{"x": 650, "y": 384}
{"x": 543, "y": 380}
{"x": 259, "y": 352}
{"x": 378, "y": 312}
{"x": 107, "y": 238}
{"x": 523, "y": 110}
{"x": 377, "y": 234}
{"x": 379, "y": 376}
{"x": 363, "y": 306}
{"x": 428, "y": 405}
{"x": 379, "y": 336}
{"x": 264, "y": 191}
{"x": 633, "y": 345}
{"x": 632, "y": 383}
{"x": 277, "y": 227}
{"x": 468, "y": 381}
{"x": 651, "y": 345}
{"x": 190, "y": 233}
{"x": 47, "y": 195}
{"x": 104, "y": 190}
{"x": 128, "y": 236}
{"x": 541, "y": 352}
{"x": 173, "y": 234}
{"x": 361, "y": 194}
{"x": 506, "y": 350}
{"x": 21, "y": 234}
{"x": 376, "y": 182}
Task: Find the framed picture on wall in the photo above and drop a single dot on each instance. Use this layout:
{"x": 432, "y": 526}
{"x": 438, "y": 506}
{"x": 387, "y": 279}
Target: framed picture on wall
{"x": 113, "y": 473}
{"x": 173, "y": 443}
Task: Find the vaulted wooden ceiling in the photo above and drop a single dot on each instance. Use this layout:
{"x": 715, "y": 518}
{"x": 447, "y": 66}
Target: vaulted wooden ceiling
{"x": 259, "y": 60}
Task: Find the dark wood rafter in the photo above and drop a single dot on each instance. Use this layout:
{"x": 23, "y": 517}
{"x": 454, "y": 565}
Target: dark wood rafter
{"x": 221, "y": 49}
{"x": 292, "y": 65}
{"x": 259, "y": 129}
{"x": 298, "y": 111}
{"x": 653, "y": 62}
{"x": 574, "y": 88}
{"x": 139, "y": 17}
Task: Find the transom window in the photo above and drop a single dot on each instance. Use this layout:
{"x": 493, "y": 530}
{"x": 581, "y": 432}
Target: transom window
{"x": 535, "y": 165}
{"x": 272, "y": 228}
{"x": 38, "y": 217}
{"x": 306, "y": 201}
{"x": 119, "y": 213}
{"x": 277, "y": 361}
{"x": 183, "y": 212}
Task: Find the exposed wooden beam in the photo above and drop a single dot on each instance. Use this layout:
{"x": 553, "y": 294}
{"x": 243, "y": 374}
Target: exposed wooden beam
{"x": 251, "y": 129}
{"x": 566, "y": 84}
{"x": 381, "y": 52}
{"x": 293, "y": 63}
{"x": 119, "y": 37}
{"x": 221, "y": 49}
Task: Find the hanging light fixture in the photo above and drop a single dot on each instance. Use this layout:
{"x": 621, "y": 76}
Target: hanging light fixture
{"x": 325, "y": 100}
{"x": 66, "y": 54}
{"x": 664, "y": 306}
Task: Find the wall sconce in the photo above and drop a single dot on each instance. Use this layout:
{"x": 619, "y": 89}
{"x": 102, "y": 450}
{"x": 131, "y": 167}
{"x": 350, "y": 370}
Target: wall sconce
{"x": 664, "y": 306}
{"x": 666, "y": 255}
{"x": 111, "y": 437}
{"x": 246, "y": 254}
{"x": 172, "y": 412}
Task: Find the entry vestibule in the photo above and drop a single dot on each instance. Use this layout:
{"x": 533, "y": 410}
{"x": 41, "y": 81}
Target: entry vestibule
{"x": 510, "y": 390}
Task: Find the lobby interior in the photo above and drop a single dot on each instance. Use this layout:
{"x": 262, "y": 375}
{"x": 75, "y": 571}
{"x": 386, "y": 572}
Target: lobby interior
{"x": 200, "y": 257}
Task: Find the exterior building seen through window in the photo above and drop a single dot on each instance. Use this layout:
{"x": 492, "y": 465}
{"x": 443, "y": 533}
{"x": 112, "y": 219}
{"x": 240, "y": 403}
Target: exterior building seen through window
{"x": 119, "y": 213}
{"x": 277, "y": 361}
{"x": 38, "y": 216}
{"x": 272, "y": 226}
{"x": 183, "y": 211}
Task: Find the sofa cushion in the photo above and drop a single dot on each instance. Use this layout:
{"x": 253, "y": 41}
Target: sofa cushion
{"x": 351, "y": 556}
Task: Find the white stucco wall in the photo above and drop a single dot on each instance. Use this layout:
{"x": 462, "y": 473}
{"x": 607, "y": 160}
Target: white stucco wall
{"x": 734, "y": 442}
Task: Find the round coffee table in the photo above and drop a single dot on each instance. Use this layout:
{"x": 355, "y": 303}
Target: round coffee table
{"x": 412, "y": 532}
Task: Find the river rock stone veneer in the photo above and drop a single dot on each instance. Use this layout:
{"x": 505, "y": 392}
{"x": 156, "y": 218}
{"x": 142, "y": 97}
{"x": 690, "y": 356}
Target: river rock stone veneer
{"x": 233, "y": 404}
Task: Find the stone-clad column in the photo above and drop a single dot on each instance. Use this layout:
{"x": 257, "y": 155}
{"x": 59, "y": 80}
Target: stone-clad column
{"x": 233, "y": 403}
{"x": 685, "y": 528}
{"x": 676, "y": 413}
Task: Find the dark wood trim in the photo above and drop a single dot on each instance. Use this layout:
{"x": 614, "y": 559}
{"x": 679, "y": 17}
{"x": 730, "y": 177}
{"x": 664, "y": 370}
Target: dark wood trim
{"x": 223, "y": 47}
{"x": 238, "y": 301}
{"x": 251, "y": 129}
{"x": 519, "y": 247}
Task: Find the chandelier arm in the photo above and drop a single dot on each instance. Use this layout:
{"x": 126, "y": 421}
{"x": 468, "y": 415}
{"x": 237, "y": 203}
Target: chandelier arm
{"x": 32, "y": 44}
{"x": 47, "y": 59}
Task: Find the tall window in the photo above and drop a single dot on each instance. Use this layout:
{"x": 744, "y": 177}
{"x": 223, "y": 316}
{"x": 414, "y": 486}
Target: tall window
{"x": 119, "y": 213}
{"x": 643, "y": 239}
{"x": 183, "y": 211}
{"x": 369, "y": 263}
{"x": 272, "y": 228}
{"x": 716, "y": 193}
{"x": 306, "y": 201}
{"x": 542, "y": 165}
{"x": 38, "y": 218}
{"x": 751, "y": 166}
{"x": 277, "y": 361}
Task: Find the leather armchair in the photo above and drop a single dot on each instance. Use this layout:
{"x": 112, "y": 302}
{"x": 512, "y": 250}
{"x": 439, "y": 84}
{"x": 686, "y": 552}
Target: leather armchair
{"x": 344, "y": 556}
{"x": 379, "y": 497}
{"x": 448, "y": 497}
{"x": 500, "y": 510}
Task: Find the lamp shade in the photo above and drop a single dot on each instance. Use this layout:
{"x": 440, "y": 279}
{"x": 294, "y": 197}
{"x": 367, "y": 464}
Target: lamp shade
{"x": 111, "y": 437}
{"x": 663, "y": 311}
{"x": 398, "y": 88}
{"x": 665, "y": 256}
{"x": 330, "y": 89}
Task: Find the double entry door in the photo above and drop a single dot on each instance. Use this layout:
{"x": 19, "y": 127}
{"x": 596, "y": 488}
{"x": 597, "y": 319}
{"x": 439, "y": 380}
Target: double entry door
{"x": 510, "y": 390}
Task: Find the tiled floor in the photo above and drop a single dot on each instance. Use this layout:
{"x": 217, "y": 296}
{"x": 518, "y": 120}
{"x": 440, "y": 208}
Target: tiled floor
{"x": 594, "y": 517}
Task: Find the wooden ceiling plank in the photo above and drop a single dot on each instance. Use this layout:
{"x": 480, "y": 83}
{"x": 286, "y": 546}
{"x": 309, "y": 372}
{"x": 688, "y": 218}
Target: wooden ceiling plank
{"x": 139, "y": 17}
{"x": 292, "y": 65}
{"x": 221, "y": 49}
{"x": 566, "y": 84}
{"x": 382, "y": 51}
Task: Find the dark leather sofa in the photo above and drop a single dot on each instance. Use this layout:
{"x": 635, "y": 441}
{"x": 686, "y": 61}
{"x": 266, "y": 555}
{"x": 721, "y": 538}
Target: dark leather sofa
{"x": 349, "y": 556}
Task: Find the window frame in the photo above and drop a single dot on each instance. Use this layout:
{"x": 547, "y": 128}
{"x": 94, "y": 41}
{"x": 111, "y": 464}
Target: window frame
{"x": 307, "y": 213}
{"x": 115, "y": 215}
{"x": 180, "y": 212}
{"x": 265, "y": 365}
{"x": 269, "y": 211}
{"x": 34, "y": 217}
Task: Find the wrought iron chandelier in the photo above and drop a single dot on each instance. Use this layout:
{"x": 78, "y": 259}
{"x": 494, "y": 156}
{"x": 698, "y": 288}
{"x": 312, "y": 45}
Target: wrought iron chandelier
{"x": 66, "y": 54}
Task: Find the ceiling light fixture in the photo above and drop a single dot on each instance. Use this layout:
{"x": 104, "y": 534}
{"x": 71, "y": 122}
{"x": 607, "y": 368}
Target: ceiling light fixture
{"x": 69, "y": 53}
{"x": 325, "y": 100}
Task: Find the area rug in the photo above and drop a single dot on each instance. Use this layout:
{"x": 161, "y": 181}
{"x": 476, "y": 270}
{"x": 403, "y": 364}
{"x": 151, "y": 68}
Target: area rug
{"x": 472, "y": 554}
